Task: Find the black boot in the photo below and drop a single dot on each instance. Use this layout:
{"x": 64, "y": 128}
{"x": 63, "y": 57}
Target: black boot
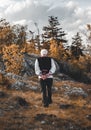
{"x": 46, "y": 104}
{"x": 49, "y": 101}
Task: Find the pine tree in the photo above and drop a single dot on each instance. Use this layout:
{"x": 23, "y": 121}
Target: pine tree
{"x": 76, "y": 47}
{"x": 52, "y": 31}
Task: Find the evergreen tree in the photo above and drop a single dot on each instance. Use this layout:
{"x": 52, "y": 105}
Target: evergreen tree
{"x": 76, "y": 47}
{"x": 52, "y": 31}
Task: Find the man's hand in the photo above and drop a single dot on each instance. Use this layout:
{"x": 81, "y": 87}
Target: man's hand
{"x": 43, "y": 77}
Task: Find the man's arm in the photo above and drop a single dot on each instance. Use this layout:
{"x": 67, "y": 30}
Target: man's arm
{"x": 53, "y": 67}
{"x": 37, "y": 68}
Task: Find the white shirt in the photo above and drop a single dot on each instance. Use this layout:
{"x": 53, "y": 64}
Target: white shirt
{"x": 51, "y": 71}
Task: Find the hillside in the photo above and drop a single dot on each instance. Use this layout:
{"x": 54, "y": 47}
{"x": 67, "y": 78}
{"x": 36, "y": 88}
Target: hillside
{"x": 22, "y": 109}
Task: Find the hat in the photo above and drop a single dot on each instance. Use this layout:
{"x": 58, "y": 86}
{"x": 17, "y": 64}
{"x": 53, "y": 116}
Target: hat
{"x": 44, "y": 52}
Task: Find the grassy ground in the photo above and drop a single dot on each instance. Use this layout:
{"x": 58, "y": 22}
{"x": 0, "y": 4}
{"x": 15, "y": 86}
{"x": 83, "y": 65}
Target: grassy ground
{"x": 33, "y": 116}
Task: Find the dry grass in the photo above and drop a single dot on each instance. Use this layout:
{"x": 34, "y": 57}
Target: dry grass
{"x": 17, "y": 117}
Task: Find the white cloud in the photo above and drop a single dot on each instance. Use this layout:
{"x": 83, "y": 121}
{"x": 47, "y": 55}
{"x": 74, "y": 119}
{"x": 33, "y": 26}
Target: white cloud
{"x": 88, "y": 13}
{"x": 1, "y": 15}
{"x": 72, "y": 14}
{"x": 5, "y": 3}
{"x": 17, "y": 7}
{"x": 71, "y": 4}
{"x": 79, "y": 12}
{"x": 21, "y": 22}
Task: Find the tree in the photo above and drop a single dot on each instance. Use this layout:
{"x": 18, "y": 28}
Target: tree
{"x": 6, "y": 35}
{"x": 89, "y": 38}
{"x": 58, "y": 52}
{"x": 52, "y": 31}
{"x": 76, "y": 47}
{"x": 89, "y": 29}
{"x": 12, "y": 58}
{"x": 15, "y": 34}
{"x": 37, "y": 37}
{"x": 87, "y": 34}
{"x": 19, "y": 32}
{"x": 54, "y": 50}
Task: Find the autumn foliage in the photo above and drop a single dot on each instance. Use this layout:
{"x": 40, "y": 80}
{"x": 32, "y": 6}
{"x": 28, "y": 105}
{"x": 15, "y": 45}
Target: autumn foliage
{"x": 13, "y": 45}
{"x": 13, "y": 58}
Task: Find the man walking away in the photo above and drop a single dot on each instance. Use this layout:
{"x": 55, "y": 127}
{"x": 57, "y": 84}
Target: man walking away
{"x": 45, "y": 68}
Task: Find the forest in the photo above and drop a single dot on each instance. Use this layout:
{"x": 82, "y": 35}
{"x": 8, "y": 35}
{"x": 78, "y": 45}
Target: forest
{"x": 74, "y": 58}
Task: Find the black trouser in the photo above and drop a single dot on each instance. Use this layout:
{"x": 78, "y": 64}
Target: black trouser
{"x": 46, "y": 86}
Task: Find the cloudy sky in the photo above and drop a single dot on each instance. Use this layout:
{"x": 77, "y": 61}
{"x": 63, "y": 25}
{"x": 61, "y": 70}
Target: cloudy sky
{"x": 73, "y": 15}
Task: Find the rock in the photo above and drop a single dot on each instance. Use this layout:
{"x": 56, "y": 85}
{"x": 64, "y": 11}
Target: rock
{"x": 2, "y": 94}
{"x": 74, "y": 91}
{"x": 88, "y": 117}
{"x": 21, "y": 101}
{"x": 18, "y": 85}
{"x": 66, "y": 106}
{"x": 43, "y": 122}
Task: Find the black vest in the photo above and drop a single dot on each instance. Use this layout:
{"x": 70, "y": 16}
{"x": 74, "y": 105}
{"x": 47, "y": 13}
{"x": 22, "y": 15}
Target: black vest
{"x": 44, "y": 64}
